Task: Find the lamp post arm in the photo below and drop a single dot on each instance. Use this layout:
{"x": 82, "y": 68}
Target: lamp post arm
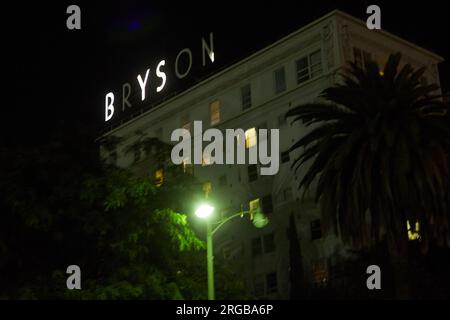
{"x": 221, "y": 223}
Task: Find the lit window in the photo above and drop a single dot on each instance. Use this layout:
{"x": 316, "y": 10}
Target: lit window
{"x": 187, "y": 166}
{"x": 159, "y": 177}
{"x": 413, "y": 233}
{"x": 252, "y": 172}
{"x": 185, "y": 124}
{"x": 250, "y": 138}
{"x": 280, "y": 80}
{"x": 253, "y": 207}
{"x": 246, "y": 97}
{"x": 320, "y": 273}
{"x": 207, "y": 187}
{"x": 206, "y": 160}
{"x": 215, "y": 112}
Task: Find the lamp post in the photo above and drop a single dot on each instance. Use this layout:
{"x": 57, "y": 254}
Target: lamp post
{"x": 204, "y": 212}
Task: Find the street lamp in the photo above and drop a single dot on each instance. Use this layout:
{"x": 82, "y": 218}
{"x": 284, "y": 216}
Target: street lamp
{"x": 204, "y": 211}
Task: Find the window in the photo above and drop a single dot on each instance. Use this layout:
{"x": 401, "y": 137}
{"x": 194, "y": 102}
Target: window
{"x": 113, "y": 157}
{"x": 250, "y": 138}
{"x": 285, "y": 157}
{"x": 256, "y": 246}
{"x": 309, "y": 67}
{"x": 206, "y": 160}
{"x": 280, "y": 80}
{"x": 413, "y": 233}
{"x": 423, "y": 81}
{"x": 361, "y": 57}
{"x": 159, "y": 133}
{"x": 261, "y": 137}
{"x": 316, "y": 229}
{"x": 315, "y": 61}
{"x": 252, "y": 172}
{"x": 185, "y": 124}
{"x": 269, "y": 243}
{"x": 281, "y": 120}
{"x": 246, "y": 97}
{"x": 214, "y": 108}
{"x": 267, "y": 206}
{"x": 159, "y": 177}
{"x": 253, "y": 205}
{"x": 320, "y": 273}
{"x": 223, "y": 181}
{"x": 271, "y": 283}
{"x": 137, "y": 154}
{"x": 302, "y": 70}
{"x": 187, "y": 166}
{"x": 258, "y": 285}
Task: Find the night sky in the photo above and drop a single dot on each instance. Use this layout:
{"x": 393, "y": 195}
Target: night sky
{"x": 59, "y": 77}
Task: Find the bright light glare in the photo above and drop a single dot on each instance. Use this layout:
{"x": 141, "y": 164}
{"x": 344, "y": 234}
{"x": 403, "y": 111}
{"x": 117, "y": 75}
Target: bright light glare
{"x": 204, "y": 211}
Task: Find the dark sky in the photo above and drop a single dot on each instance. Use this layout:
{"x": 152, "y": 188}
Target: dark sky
{"x": 57, "y": 78}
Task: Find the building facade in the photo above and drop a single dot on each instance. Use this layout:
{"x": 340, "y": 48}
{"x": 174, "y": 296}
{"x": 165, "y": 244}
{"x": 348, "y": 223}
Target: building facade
{"x": 256, "y": 93}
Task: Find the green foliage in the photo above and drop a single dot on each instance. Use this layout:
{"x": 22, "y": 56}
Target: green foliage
{"x": 130, "y": 239}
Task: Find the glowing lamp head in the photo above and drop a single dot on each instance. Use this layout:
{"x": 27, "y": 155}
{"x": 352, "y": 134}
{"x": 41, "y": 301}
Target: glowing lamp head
{"x": 204, "y": 211}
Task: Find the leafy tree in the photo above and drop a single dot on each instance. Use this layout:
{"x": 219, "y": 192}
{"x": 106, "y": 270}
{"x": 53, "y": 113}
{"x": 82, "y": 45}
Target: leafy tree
{"x": 378, "y": 157}
{"x": 63, "y": 206}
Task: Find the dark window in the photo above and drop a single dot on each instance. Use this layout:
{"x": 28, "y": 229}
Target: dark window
{"x": 223, "y": 181}
{"x": 316, "y": 229}
{"x": 281, "y": 120}
{"x": 271, "y": 282}
{"x": 269, "y": 243}
{"x": 137, "y": 154}
{"x": 280, "y": 80}
{"x": 315, "y": 63}
{"x": 285, "y": 156}
{"x": 252, "y": 172}
{"x": 256, "y": 246}
{"x": 267, "y": 206}
{"x": 259, "y": 286}
{"x": 361, "y": 57}
{"x": 302, "y": 70}
{"x": 309, "y": 66}
{"x": 246, "y": 97}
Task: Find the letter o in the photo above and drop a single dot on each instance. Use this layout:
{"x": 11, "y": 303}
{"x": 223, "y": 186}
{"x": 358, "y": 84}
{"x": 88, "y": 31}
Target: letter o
{"x": 177, "y": 73}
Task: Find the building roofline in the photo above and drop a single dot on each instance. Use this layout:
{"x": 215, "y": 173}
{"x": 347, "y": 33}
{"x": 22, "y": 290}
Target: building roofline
{"x": 390, "y": 35}
{"x": 262, "y": 51}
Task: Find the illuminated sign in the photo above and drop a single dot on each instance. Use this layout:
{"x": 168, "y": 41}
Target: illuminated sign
{"x": 143, "y": 82}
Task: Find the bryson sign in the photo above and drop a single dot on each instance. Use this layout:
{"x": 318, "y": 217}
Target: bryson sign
{"x": 143, "y": 82}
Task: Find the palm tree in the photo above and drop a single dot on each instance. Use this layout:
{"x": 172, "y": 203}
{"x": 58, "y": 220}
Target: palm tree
{"x": 378, "y": 156}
